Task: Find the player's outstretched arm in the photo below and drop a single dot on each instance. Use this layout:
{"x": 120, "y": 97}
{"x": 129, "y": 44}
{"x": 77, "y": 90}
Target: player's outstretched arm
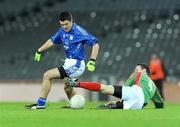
{"x": 45, "y": 46}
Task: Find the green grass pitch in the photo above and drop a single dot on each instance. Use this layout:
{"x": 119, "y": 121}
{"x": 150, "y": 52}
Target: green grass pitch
{"x": 15, "y": 115}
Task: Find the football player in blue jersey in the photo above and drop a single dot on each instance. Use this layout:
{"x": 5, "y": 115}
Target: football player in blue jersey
{"x": 73, "y": 38}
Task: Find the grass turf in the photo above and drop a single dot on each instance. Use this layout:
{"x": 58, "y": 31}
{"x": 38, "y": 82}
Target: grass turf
{"x": 15, "y": 115}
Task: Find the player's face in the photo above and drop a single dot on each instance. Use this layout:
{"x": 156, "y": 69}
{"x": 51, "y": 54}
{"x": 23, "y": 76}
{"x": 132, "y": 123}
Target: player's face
{"x": 66, "y": 24}
{"x": 139, "y": 69}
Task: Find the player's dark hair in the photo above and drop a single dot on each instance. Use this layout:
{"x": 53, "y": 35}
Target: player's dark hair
{"x": 65, "y": 15}
{"x": 144, "y": 66}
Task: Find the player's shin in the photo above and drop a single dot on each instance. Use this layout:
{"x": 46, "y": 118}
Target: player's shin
{"x": 93, "y": 86}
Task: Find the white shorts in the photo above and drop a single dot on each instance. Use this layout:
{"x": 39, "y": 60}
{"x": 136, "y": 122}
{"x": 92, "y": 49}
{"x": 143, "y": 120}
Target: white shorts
{"x": 133, "y": 97}
{"x": 74, "y": 68}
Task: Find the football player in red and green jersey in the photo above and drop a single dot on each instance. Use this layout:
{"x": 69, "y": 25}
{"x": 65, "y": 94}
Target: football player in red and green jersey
{"x": 135, "y": 93}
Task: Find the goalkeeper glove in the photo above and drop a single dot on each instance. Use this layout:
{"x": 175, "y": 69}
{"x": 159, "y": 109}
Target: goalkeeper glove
{"x": 91, "y": 65}
{"x": 37, "y": 56}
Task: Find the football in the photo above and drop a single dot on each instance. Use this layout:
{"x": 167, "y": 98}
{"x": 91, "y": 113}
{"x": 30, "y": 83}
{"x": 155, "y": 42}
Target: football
{"x": 77, "y": 102}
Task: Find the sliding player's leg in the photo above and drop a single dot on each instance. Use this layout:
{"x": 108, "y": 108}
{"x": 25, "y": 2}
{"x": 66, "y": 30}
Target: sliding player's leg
{"x": 105, "y": 89}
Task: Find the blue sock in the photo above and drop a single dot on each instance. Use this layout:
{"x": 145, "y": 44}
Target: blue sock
{"x": 41, "y": 101}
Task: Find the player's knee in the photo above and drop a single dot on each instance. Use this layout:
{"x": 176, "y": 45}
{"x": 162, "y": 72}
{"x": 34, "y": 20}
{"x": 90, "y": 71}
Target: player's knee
{"x": 46, "y": 75}
{"x": 117, "y": 91}
{"x": 103, "y": 91}
{"x": 107, "y": 89}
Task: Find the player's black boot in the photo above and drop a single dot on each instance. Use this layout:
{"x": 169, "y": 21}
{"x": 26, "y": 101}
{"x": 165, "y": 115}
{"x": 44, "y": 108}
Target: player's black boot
{"x": 66, "y": 107}
{"x": 71, "y": 82}
{"x": 107, "y": 106}
{"x": 34, "y": 106}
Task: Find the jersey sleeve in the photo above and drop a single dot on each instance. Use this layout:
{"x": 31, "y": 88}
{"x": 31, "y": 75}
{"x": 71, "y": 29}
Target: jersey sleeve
{"x": 84, "y": 36}
{"x": 130, "y": 80}
{"x": 56, "y": 39}
{"x": 90, "y": 40}
{"x": 157, "y": 100}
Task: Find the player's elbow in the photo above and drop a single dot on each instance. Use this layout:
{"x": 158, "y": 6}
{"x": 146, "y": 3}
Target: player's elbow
{"x": 96, "y": 46}
{"x": 159, "y": 105}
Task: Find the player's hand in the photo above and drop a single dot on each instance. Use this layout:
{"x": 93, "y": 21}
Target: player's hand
{"x": 37, "y": 56}
{"x": 91, "y": 65}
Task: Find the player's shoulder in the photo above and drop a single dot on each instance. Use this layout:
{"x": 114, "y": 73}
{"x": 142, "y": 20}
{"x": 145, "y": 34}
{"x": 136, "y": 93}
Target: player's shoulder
{"x": 60, "y": 30}
{"x": 135, "y": 75}
{"x": 80, "y": 30}
{"x": 131, "y": 76}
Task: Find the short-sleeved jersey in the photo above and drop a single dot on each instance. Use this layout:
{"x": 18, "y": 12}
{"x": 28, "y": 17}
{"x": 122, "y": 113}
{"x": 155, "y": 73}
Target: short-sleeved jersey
{"x": 149, "y": 88}
{"x": 74, "y": 41}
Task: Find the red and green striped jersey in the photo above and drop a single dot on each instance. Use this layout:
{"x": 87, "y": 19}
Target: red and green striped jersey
{"x": 149, "y": 88}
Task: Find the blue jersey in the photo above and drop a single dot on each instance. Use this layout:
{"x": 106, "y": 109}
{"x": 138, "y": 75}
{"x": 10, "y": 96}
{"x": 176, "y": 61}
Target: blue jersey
{"x": 74, "y": 41}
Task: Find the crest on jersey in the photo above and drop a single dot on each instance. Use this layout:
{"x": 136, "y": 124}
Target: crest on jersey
{"x": 71, "y": 37}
